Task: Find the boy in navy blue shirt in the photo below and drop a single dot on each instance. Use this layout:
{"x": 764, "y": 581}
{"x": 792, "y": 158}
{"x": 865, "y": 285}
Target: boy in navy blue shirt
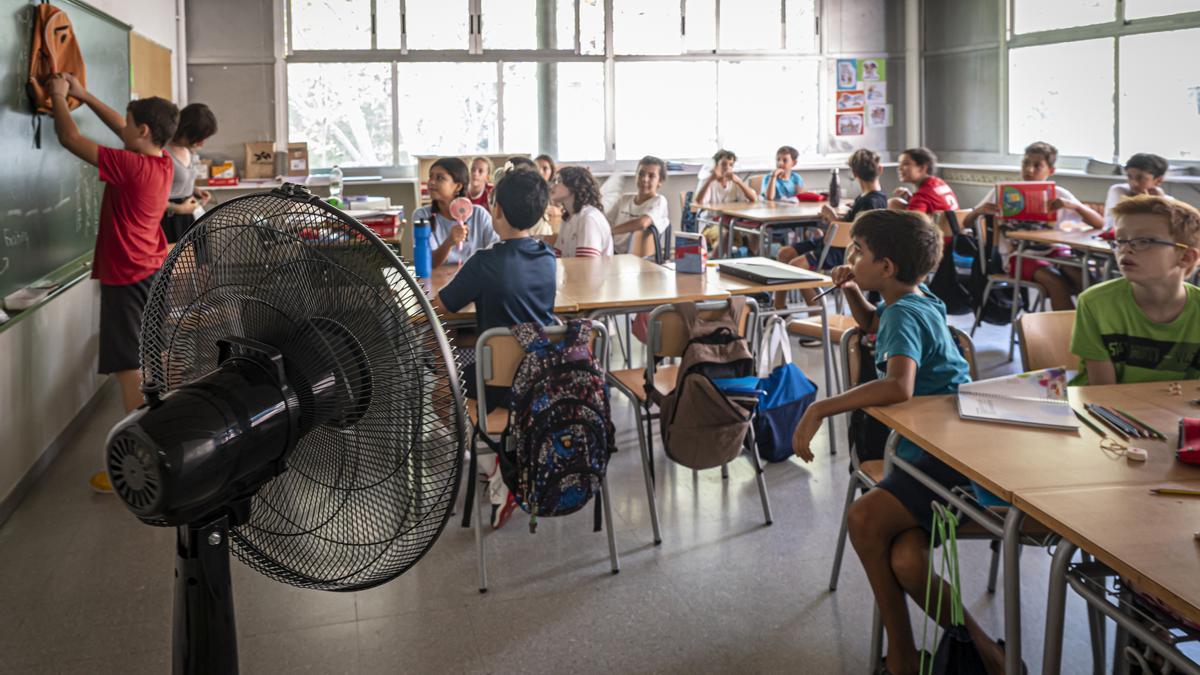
{"x": 915, "y": 355}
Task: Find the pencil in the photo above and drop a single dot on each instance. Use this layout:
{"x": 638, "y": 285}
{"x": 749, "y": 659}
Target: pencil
{"x": 1175, "y": 491}
{"x": 1149, "y": 428}
{"x": 1089, "y": 425}
{"x": 1139, "y": 429}
{"x": 1125, "y": 425}
{"x": 1112, "y": 419}
{"x": 1104, "y": 420}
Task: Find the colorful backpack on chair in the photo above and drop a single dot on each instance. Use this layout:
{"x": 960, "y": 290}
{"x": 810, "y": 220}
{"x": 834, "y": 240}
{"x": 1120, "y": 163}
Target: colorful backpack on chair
{"x": 554, "y": 452}
{"x": 52, "y": 50}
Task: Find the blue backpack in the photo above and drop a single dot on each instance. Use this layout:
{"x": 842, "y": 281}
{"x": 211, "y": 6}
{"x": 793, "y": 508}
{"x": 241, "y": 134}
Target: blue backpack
{"x": 785, "y": 394}
{"x": 554, "y": 452}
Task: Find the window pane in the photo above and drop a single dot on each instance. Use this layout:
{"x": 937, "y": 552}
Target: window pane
{"x": 646, "y": 121}
{"x": 802, "y": 25}
{"x": 701, "y": 27}
{"x": 387, "y": 24}
{"x": 1030, "y": 16}
{"x": 331, "y": 24}
{"x": 513, "y": 24}
{"x": 341, "y": 129}
{"x": 743, "y": 122}
{"x": 591, "y": 26}
{"x": 437, "y": 24}
{"x": 751, "y": 25}
{"x": 1062, "y": 93}
{"x": 1160, "y": 104}
{"x": 580, "y": 100}
{"x": 1140, "y": 9}
{"x": 641, "y": 27}
{"x": 447, "y": 108}
{"x": 520, "y": 108}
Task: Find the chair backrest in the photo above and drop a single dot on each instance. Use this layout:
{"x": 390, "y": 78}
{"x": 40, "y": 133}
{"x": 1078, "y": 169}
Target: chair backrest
{"x": 851, "y": 346}
{"x": 838, "y": 234}
{"x": 1045, "y": 339}
{"x": 967, "y": 347}
{"x": 498, "y": 354}
{"x": 756, "y": 182}
{"x": 646, "y": 244}
{"x": 943, "y": 222}
{"x": 667, "y": 330}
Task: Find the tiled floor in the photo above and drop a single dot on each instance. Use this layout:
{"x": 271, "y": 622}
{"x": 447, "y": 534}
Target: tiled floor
{"x": 85, "y": 588}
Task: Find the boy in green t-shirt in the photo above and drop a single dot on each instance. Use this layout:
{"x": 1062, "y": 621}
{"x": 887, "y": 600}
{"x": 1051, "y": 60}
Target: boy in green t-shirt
{"x": 1144, "y": 326}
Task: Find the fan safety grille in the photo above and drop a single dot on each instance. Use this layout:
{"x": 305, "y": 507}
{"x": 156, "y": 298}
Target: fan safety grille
{"x": 370, "y": 487}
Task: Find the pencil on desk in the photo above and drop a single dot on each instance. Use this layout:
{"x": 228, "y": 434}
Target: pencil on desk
{"x": 1137, "y": 429}
{"x": 1104, "y": 420}
{"x": 1149, "y": 428}
{"x": 1089, "y": 425}
{"x": 1175, "y": 491}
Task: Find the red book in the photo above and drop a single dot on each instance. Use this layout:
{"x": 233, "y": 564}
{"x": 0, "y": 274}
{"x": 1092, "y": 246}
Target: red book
{"x": 1029, "y": 201}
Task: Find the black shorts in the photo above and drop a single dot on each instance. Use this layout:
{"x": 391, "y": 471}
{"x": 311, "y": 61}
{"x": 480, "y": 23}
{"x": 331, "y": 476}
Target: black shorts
{"x": 811, "y": 250}
{"x": 121, "y": 309}
{"x": 175, "y": 225}
{"x": 917, "y": 498}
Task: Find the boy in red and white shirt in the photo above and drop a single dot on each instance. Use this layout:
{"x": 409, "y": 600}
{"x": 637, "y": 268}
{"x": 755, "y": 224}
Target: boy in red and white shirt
{"x": 130, "y": 244}
{"x": 932, "y": 195}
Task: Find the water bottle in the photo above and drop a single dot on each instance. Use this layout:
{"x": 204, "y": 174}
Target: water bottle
{"x": 835, "y": 190}
{"x": 335, "y": 185}
{"x": 422, "y": 256}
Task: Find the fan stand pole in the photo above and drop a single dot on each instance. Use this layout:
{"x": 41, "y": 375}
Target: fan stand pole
{"x": 205, "y": 637}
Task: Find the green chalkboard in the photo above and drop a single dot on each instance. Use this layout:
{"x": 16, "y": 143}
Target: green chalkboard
{"x": 49, "y": 199}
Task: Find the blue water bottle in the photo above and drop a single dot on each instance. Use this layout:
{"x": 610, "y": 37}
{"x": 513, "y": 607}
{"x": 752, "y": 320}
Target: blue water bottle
{"x": 422, "y": 256}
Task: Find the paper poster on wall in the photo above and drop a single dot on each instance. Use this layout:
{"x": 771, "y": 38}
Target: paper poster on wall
{"x": 847, "y": 73}
{"x": 876, "y": 92}
{"x": 848, "y": 101}
{"x": 872, "y": 70}
{"x": 879, "y": 115}
{"x": 850, "y": 124}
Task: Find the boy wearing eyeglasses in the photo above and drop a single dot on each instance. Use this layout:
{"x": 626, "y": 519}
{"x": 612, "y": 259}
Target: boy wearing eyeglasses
{"x": 1145, "y": 325}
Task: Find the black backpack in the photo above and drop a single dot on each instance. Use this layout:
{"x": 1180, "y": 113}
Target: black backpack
{"x": 997, "y": 306}
{"x": 948, "y": 284}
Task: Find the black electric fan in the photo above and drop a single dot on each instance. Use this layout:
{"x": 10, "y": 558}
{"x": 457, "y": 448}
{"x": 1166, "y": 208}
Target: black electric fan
{"x": 302, "y": 405}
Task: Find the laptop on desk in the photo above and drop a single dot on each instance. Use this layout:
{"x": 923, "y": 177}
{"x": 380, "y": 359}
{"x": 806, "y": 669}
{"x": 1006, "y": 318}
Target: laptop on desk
{"x": 766, "y": 271}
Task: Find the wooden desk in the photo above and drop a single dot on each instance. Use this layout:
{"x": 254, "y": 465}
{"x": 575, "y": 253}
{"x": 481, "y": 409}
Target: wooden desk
{"x": 1007, "y": 458}
{"x": 563, "y": 304}
{"x": 767, "y": 212}
{"x": 1078, "y": 240}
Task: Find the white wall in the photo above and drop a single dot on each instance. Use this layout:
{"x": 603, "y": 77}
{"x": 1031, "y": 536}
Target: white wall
{"x": 154, "y": 19}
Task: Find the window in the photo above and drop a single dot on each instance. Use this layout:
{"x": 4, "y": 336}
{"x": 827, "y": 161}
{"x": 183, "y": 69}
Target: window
{"x": 437, "y": 24}
{"x": 802, "y": 25}
{"x": 751, "y": 25}
{"x": 1160, "y": 100}
{"x": 647, "y": 92}
{"x": 1062, "y": 93}
{"x": 1142, "y": 9}
{"x": 341, "y": 128}
{"x": 746, "y": 126}
{"x": 1031, "y": 16}
{"x": 700, "y": 34}
{"x": 331, "y": 24}
{"x": 641, "y": 27}
{"x": 519, "y": 117}
{"x": 580, "y": 108}
{"x": 448, "y": 108}
{"x": 515, "y": 24}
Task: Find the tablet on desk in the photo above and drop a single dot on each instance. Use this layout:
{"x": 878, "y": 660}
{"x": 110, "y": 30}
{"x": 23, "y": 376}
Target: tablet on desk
{"x": 766, "y": 271}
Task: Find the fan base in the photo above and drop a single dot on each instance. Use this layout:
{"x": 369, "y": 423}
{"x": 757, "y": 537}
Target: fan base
{"x": 205, "y": 636}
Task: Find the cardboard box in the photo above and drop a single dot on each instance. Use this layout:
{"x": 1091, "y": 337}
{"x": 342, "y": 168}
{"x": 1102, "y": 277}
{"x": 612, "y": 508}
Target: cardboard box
{"x": 204, "y": 172}
{"x": 691, "y": 253}
{"x": 224, "y": 173}
{"x": 297, "y": 159}
{"x": 260, "y": 160}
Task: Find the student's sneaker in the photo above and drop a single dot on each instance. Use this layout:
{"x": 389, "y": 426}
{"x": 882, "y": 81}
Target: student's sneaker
{"x": 100, "y": 483}
{"x": 501, "y": 512}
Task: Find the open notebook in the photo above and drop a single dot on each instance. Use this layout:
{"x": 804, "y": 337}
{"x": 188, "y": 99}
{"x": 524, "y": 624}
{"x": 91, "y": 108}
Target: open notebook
{"x": 1038, "y": 399}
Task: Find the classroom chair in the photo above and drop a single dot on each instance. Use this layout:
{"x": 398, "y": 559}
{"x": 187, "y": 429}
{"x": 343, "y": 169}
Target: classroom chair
{"x": 1001, "y": 282}
{"x": 1045, "y": 340}
{"x": 497, "y": 356}
{"x": 864, "y": 475}
{"x": 836, "y": 236}
{"x": 732, "y": 227}
{"x": 666, "y": 340}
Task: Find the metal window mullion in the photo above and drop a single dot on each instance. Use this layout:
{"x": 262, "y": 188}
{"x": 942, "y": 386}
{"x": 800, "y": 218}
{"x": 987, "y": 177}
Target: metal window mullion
{"x": 610, "y": 105}
{"x": 500, "y": 106}
{"x": 280, "y": 10}
{"x": 374, "y": 24}
{"x": 403, "y": 26}
{"x": 782, "y": 25}
{"x": 717, "y": 26}
{"x": 1116, "y": 100}
{"x": 395, "y": 114}
{"x": 1002, "y": 81}
{"x": 578, "y": 29}
{"x": 290, "y": 26}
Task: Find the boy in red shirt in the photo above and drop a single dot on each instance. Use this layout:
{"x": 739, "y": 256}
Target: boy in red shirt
{"x": 932, "y": 195}
{"x": 130, "y": 245}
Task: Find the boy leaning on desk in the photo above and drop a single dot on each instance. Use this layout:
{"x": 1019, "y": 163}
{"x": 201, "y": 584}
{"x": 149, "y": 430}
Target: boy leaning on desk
{"x": 130, "y": 243}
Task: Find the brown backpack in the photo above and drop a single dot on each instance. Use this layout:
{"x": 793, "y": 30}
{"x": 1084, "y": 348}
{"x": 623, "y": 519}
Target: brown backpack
{"x": 702, "y": 426}
{"x": 53, "y": 50}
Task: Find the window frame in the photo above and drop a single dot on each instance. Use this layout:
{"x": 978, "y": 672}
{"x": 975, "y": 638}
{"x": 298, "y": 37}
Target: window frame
{"x": 1116, "y": 29}
{"x": 474, "y": 52}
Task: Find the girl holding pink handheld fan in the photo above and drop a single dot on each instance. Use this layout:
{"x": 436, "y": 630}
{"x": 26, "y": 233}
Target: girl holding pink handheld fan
{"x": 453, "y": 238}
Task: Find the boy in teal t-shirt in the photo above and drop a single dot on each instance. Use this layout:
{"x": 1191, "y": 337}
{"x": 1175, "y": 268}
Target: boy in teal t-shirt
{"x": 916, "y": 355}
{"x": 1144, "y": 326}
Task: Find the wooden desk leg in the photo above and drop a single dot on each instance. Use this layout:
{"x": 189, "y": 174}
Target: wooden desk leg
{"x": 1012, "y": 591}
{"x": 1016, "y": 302}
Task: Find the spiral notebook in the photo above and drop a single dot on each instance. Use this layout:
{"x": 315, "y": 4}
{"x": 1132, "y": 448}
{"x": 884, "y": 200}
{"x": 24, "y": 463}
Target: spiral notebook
{"x": 1036, "y": 399}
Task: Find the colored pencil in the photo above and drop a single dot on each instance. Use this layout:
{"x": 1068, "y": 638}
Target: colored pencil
{"x": 1089, "y": 425}
{"x": 1104, "y": 420}
{"x": 1116, "y": 421}
{"x": 1149, "y": 428}
{"x": 1129, "y": 428}
{"x": 1142, "y": 432}
{"x": 1175, "y": 491}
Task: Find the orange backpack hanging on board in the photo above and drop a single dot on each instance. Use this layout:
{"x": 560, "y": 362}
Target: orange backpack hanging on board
{"x": 52, "y": 50}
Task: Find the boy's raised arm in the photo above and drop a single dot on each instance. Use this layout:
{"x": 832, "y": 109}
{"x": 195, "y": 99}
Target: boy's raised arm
{"x": 111, "y": 118}
{"x": 64, "y": 125}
